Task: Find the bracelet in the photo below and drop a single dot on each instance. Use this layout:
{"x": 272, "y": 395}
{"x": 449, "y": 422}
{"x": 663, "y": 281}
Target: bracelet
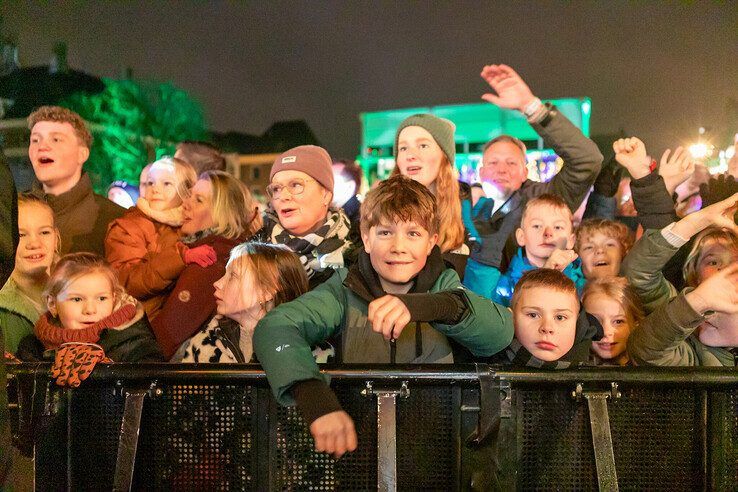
{"x": 532, "y": 107}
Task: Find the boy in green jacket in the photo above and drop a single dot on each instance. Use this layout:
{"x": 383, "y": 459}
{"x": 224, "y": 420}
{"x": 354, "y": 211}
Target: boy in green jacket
{"x": 699, "y": 326}
{"x": 397, "y": 304}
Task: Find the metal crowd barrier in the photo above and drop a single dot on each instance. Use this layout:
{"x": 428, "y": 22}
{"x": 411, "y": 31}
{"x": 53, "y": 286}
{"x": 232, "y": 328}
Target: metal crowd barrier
{"x": 471, "y": 427}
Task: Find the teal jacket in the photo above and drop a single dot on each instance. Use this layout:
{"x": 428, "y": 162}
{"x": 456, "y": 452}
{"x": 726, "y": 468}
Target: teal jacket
{"x": 17, "y": 315}
{"x": 283, "y": 338}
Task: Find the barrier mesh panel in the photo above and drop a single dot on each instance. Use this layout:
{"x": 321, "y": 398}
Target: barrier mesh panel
{"x": 656, "y": 440}
{"x": 95, "y": 417}
{"x": 198, "y": 437}
{"x": 296, "y": 464}
{"x": 426, "y": 454}
{"x": 728, "y": 455}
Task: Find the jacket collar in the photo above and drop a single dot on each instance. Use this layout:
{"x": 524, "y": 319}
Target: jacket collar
{"x": 363, "y": 280}
{"x": 68, "y": 200}
{"x": 14, "y": 301}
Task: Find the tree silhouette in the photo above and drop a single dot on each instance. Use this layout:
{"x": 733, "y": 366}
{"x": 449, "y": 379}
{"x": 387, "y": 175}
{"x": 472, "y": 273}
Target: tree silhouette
{"x": 133, "y": 124}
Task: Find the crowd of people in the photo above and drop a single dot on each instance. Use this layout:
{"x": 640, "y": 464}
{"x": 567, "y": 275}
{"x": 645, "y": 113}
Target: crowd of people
{"x": 420, "y": 269}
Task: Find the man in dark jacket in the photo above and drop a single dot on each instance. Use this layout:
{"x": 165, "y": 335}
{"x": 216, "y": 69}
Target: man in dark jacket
{"x": 503, "y": 173}
{"x": 60, "y": 145}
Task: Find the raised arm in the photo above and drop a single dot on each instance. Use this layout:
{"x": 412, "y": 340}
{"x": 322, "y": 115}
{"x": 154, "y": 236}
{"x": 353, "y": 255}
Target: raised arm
{"x": 662, "y": 339}
{"x": 582, "y": 158}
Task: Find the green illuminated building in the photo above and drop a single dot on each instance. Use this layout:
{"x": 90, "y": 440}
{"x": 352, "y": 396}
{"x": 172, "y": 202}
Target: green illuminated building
{"x": 476, "y": 124}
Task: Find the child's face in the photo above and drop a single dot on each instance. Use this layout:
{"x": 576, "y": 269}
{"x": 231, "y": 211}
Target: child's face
{"x": 615, "y": 324}
{"x": 37, "y": 240}
{"x": 398, "y": 251}
{"x": 84, "y": 302}
{"x": 197, "y": 212}
{"x": 544, "y": 229}
{"x": 714, "y": 257}
{"x": 161, "y": 188}
{"x": 546, "y": 322}
{"x": 238, "y": 296}
{"x": 601, "y": 256}
{"x": 419, "y": 156}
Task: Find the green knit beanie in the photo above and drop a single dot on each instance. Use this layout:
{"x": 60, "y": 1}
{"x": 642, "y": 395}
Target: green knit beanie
{"x": 441, "y": 129}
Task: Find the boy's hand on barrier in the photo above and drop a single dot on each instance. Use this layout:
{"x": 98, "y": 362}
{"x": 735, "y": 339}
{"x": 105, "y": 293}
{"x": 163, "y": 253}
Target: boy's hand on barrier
{"x": 334, "y": 433}
{"x": 676, "y": 168}
{"x": 388, "y": 316}
{"x": 631, "y": 154}
{"x": 203, "y": 255}
{"x": 512, "y": 91}
{"x": 718, "y": 293}
{"x": 75, "y": 361}
{"x": 560, "y": 259}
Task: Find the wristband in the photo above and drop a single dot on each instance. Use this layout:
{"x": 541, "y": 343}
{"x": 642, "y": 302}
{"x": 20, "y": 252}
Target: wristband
{"x": 532, "y": 107}
{"x": 652, "y": 166}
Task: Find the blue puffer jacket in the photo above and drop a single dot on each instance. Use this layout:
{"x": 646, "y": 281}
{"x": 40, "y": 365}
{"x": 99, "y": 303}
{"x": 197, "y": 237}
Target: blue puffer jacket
{"x": 519, "y": 265}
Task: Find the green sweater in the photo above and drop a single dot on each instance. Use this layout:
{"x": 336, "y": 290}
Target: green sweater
{"x": 283, "y": 338}
{"x": 17, "y": 315}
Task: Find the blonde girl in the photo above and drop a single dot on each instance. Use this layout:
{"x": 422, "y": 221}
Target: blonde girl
{"x": 143, "y": 246}
{"x": 617, "y": 307}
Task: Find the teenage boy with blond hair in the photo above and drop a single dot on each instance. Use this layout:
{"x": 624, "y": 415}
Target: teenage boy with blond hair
{"x": 397, "y": 304}
{"x": 546, "y": 238}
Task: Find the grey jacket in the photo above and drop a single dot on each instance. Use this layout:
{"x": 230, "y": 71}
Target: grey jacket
{"x": 666, "y": 337}
{"x": 582, "y": 163}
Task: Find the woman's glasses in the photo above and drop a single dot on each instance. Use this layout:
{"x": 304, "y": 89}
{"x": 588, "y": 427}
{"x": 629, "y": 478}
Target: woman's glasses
{"x": 294, "y": 186}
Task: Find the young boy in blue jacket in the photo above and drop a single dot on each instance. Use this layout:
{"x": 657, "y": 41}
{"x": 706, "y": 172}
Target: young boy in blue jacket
{"x": 546, "y": 238}
{"x": 397, "y": 304}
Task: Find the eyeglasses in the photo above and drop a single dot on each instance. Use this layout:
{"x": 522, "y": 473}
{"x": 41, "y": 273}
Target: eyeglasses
{"x": 295, "y": 186}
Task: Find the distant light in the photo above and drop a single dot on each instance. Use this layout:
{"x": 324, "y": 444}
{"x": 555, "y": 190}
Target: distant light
{"x": 699, "y": 150}
{"x": 586, "y": 107}
{"x": 701, "y": 130}
{"x": 729, "y": 152}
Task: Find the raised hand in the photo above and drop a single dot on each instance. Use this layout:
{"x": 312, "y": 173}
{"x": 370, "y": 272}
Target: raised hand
{"x": 512, "y": 91}
{"x": 334, "y": 433}
{"x": 720, "y": 214}
{"x": 676, "y": 168}
{"x": 631, "y": 154}
{"x": 388, "y": 316}
{"x": 718, "y": 292}
{"x": 718, "y": 188}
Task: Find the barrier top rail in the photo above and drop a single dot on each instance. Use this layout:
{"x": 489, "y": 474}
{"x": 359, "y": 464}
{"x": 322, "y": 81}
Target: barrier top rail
{"x": 460, "y": 373}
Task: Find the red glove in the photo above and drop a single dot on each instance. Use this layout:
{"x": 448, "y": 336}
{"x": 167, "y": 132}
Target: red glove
{"x": 75, "y": 361}
{"x": 202, "y": 255}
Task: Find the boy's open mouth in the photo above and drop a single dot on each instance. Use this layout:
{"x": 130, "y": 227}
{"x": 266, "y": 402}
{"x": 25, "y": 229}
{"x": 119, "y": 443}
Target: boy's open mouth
{"x": 287, "y": 212}
{"x": 45, "y": 160}
{"x": 602, "y": 263}
{"x": 36, "y": 257}
{"x": 397, "y": 263}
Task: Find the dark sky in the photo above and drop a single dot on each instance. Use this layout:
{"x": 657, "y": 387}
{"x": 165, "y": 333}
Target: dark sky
{"x": 658, "y": 69}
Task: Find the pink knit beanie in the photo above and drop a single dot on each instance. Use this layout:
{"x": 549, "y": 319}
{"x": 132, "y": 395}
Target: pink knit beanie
{"x": 310, "y": 159}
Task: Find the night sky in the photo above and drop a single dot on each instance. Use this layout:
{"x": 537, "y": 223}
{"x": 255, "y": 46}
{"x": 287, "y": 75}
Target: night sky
{"x": 657, "y": 70}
